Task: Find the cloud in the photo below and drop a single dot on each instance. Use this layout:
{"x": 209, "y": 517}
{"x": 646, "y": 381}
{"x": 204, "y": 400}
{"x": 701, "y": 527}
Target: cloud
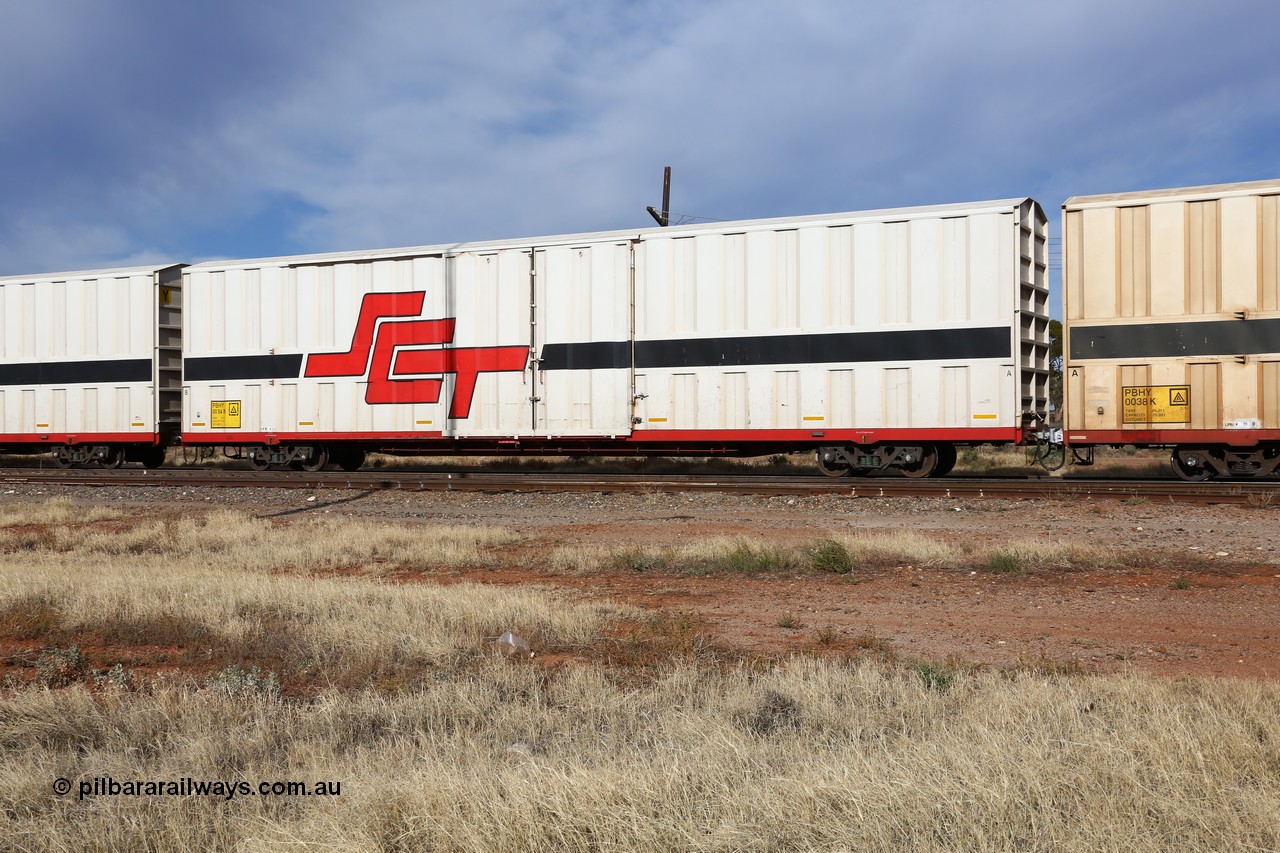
{"x": 250, "y": 128}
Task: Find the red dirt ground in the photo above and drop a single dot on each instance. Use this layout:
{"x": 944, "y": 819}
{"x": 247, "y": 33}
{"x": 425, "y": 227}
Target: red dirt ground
{"x": 1189, "y": 607}
{"x": 1220, "y": 625}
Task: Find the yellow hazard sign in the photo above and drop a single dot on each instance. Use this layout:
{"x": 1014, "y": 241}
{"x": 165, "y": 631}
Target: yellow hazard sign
{"x": 224, "y": 414}
{"x": 1156, "y": 404}
{"x": 166, "y": 296}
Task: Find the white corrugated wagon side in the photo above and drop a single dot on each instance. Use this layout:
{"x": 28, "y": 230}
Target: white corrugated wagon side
{"x": 1172, "y": 327}
{"x": 882, "y": 339}
{"x": 91, "y": 367}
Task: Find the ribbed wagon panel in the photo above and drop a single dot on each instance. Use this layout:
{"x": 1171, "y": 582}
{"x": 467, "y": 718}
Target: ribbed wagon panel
{"x": 90, "y": 356}
{"x": 778, "y": 327}
{"x": 1174, "y": 293}
{"x": 888, "y": 303}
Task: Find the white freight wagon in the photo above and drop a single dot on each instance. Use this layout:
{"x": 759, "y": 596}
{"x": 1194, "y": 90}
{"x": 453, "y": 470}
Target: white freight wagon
{"x": 91, "y": 367}
{"x": 1172, "y": 332}
{"x": 881, "y": 339}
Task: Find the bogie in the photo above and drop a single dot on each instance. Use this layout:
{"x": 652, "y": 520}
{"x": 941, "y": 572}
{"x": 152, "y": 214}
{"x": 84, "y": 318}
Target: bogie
{"x": 80, "y": 455}
{"x": 1204, "y": 463}
{"x": 915, "y": 461}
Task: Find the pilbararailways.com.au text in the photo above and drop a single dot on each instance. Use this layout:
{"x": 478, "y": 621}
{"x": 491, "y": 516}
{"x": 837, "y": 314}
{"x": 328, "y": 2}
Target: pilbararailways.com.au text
{"x": 106, "y": 786}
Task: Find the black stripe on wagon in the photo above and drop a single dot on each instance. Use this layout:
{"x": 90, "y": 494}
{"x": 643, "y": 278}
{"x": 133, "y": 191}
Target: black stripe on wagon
{"x": 596, "y": 355}
{"x": 909, "y": 345}
{"x": 1176, "y": 340}
{"x": 232, "y": 367}
{"x": 76, "y": 372}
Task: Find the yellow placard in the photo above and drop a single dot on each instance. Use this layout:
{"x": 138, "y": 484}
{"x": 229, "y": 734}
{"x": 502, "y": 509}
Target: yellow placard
{"x": 1156, "y": 404}
{"x": 224, "y": 414}
{"x": 166, "y": 296}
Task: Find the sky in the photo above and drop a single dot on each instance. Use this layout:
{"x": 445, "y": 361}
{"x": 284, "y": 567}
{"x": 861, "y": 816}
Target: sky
{"x": 142, "y": 131}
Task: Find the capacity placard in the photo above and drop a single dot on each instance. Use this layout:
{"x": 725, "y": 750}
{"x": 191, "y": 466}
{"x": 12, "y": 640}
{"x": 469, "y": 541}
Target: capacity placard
{"x": 1156, "y": 404}
{"x": 224, "y": 414}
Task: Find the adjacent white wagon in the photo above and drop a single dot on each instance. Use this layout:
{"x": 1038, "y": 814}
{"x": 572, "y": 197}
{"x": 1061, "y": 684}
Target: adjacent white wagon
{"x": 91, "y": 366}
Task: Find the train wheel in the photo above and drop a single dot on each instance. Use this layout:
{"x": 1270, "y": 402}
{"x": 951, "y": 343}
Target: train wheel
{"x": 349, "y": 460}
{"x": 113, "y": 459}
{"x": 946, "y": 460}
{"x": 925, "y": 466}
{"x": 62, "y": 458}
{"x": 259, "y": 458}
{"x": 318, "y": 459}
{"x": 832, "y": 468}
{"x": 150, "y": 457}
{"x": 1193, "y": 467}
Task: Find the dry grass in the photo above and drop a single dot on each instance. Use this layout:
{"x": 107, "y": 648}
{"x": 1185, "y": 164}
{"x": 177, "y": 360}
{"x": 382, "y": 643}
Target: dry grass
{"x": 811, "y": 755}
{"x": 441, "y": 745}
{"x": 881, "y": 550}
{"x": 1108, "y": 462}
{"x": 234, "y": 541}
{"x": 906, "y": 547}
{"x": 992, "y": 461}
{"x": 841, "y": 553}
{"x": 703, "y": 556}
{"x": 1125, "y": 461}
{"x": 58, "y": 511}
{"x": 304, "y": 599}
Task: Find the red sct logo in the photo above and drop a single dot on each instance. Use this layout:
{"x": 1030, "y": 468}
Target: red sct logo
{"x": 381, "y": 351}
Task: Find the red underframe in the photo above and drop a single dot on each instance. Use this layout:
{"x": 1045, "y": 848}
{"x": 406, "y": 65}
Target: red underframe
{"x": 1229, "y": 437}
{"x": 73, "y": 438}
{"x": 637, "y": 439}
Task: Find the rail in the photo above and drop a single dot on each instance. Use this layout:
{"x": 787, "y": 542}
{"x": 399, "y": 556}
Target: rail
{"x": 1261, "y": 493}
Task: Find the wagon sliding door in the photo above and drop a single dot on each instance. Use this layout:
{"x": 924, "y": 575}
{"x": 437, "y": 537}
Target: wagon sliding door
{"x": 582, "y": 335}
{"x": 492, "y": 380}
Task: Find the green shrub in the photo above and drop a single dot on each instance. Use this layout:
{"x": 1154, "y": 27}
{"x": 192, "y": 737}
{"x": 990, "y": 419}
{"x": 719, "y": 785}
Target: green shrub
{"x": 934, "y": 676}
{"x": 828, "y": 555}
{"x": 60, "y": 667}
{"x": 1005, "y": 563}
{"x": 238, "y": 681}
{"x": 640, "y": 560}
{"x": 117, "y": 677}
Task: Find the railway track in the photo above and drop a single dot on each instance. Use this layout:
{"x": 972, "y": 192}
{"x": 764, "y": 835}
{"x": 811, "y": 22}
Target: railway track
{"x": 1264, "y": 493}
